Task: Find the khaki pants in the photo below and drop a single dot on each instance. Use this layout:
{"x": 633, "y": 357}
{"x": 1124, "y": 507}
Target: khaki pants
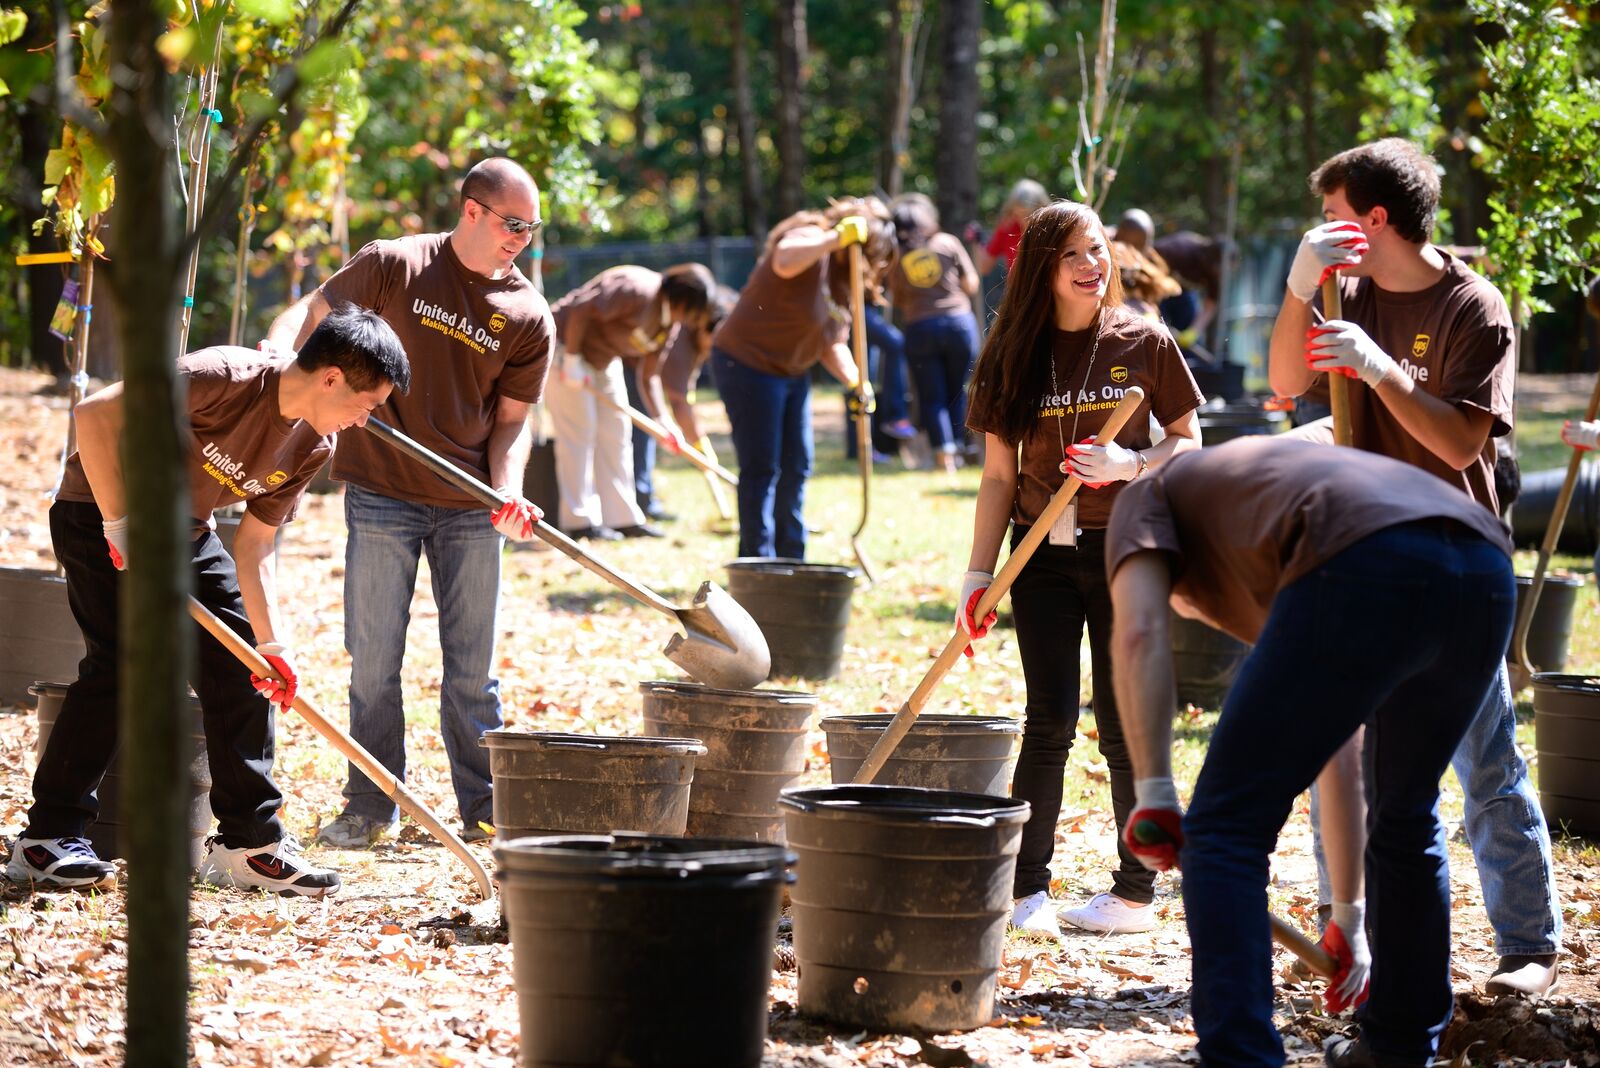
{"x": 594, "y": 446}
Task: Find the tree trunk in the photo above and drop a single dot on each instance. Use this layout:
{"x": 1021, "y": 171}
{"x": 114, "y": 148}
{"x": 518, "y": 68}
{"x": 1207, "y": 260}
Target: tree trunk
{"x": 752, "y": 198}
{"x": 791, "y": 19}
{"x": 956, "y": 167}
{"x": 702, "y": 175}
{"x": 905, "y": 21}
{"x": 156, "y": 637}
{"x": 1216, "y": 161}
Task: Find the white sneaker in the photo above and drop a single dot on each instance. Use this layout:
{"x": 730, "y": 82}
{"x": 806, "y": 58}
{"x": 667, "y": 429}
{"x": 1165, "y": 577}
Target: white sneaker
{"x": 67, "y": 863}
{"x": 1109, "y": 914}
{"x": 274, "y": 868}
{"x": 1036, "y": 915}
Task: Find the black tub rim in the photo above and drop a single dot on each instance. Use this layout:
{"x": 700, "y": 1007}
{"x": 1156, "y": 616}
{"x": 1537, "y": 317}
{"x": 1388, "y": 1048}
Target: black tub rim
{"x": 1554, "y": 681}
{"x": 1574, "y": 581}
{"x": 910, "y": 805}
{"x": 683, "y": 686}
{"x": 647, "y": 856}
{"x": 616, "y": 745}
{"x": 930, "y": 723}
{"x": 785, "y": 565}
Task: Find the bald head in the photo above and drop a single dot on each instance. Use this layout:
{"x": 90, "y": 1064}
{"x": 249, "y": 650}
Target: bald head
{"x": 493, "y": 179}
{"x": 1136, "y": 228}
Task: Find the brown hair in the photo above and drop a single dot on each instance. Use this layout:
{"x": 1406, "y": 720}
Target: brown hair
{"x": 1394, "y": 173}
{"x": 1013, "y": 369}
{"x": 880, "y": 249}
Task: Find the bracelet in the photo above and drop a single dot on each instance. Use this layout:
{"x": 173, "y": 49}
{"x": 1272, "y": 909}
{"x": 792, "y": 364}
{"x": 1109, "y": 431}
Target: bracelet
{"x": 1144, "y": 464}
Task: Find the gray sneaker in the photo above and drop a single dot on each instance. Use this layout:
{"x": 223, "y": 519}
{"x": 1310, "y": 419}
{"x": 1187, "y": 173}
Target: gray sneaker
{"x": 351, "y": 831}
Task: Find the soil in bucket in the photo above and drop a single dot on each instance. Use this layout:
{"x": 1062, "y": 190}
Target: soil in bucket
{"x": 900, "y": 903}
{"x": 639, "y": 950}
{"x": 968, "y": 754}
{"x": 1566, "y": 726}
{"x": 1550, "y": 630}
{"x": 802, "y": 610}
{"x": 585, "y": 784}
{"x": 755, "y": 747}
{"x": 105, "y": 833}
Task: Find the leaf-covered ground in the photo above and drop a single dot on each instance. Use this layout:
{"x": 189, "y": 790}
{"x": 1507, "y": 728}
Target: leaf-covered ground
{"x": 393, "y": 971}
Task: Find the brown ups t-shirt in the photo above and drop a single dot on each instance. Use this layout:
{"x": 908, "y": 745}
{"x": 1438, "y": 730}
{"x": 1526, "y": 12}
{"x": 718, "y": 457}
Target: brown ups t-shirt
{"x": 1132, "y": 352}
{"x": 610, "y": 315}
{"x": 471, "y": 340}
{"x": 687, "y": 350}
{"x": 1456, "y": 341}
{"x": 926, "y": 282}
{"x": 1241, "y": 521}
{"x": 241, "y": 447}
{"x": 781, "y": 326}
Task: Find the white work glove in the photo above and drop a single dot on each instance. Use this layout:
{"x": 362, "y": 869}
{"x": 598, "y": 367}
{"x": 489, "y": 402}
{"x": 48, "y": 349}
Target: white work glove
{"x": 1100, "y": 465}
{"x": 1581, "y": 435}
{"x": 1323, "y": 250}
{"x": 1154, "y": 831}
{"x": 117, "y": 541}
{"x": 516, "y": 518}
{"x": 973, "y": 583}
{"x": 575, "y": 371}
{"x": 1346, "y": 941}
{"x": 1344, "y": 348}
{"x": 271, "y": 347}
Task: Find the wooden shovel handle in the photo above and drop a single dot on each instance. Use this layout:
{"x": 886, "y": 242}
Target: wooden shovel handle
{"x": 858, "y": 344}
{"x": 1338, "y": 385}
{"x": 901, "y": 724}
{"x": 392, "y": 787}
{"x": 659, "y": 432}
{"x": 1290, "y": 938}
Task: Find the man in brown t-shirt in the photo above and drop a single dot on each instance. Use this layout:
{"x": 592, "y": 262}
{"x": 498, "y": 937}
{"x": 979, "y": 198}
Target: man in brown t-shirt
{"x": 260, "y": 426}
{"x": 1431, "y": 348}
{"x": 479, "y": 337}
{"x": 1374, "y": 594}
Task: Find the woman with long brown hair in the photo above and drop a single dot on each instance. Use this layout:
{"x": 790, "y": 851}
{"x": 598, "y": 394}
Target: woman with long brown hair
{"x": 793, "y": 313}
{"x": 1059, "y": 356}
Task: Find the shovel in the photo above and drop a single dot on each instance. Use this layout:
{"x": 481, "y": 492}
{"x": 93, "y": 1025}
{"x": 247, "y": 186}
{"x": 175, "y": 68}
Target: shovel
{"x": 721, "y": 645}
{"x": 901, "y": 724}
{"x": 659, "y": 432}
{"x": 1552, "y": 535}
{"x": 1338, "y": 384}
{"x": 392, "y": 787}
{"x": 858, "y": 342}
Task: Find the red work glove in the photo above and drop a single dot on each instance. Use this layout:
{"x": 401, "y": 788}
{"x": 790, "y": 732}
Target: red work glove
{"x": 1155, "y": 827}
{"x": 279, "y": 691}
{"x": 973, "y": 583}
{"x": 1346, "y": 941}
{"x": 116, "y": 531}
{"x": 1581, "y": 435}
{"x": 516, "y": 518}
{"x": 675, "y": 444}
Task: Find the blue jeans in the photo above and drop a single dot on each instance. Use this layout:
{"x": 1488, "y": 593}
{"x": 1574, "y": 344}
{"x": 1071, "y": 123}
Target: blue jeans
{"x": 644, "y": 446}
{"x": 1403, "y": 631}
{"x": 387, "y": 538}
{"x": 886, "y": 368}
{"x": 771, "y": 420}
{"x": 942, "y": 351}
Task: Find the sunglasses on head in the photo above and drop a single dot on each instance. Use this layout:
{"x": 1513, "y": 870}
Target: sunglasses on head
{"x": 511, "y": 224}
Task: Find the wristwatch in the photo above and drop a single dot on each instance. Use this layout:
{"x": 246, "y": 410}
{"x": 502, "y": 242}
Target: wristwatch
{"x": 1144, "y": 464}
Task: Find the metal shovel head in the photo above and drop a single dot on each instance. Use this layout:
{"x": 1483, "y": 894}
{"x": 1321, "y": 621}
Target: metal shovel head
{"x": 723, "y": 647}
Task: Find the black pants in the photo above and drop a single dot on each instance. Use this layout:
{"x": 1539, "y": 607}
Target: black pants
{"x": 1061, "y": 589}
{"x": 239, "y": 723}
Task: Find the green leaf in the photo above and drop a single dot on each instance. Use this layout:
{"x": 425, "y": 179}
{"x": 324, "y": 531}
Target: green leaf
{"x": 12, "y": 22}
{"x": 277, "y": 12}
{"x": 325, "y": 60}
{"x": 57, "y": 164}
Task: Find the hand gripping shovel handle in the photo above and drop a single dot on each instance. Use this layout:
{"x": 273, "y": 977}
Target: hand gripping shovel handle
{"x": 901, "y": 724}
{"x": 858, "y": 343}
{"x": 659, "y": 432}
{"x": 465, "y": 482}
{"x": 1552, "y": 536}
{"x": 392, "y": 787}
{"x": 1338, "y": 385}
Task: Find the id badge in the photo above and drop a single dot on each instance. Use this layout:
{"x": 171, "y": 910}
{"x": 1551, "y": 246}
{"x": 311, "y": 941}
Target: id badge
{"x": 1064, "y": 531}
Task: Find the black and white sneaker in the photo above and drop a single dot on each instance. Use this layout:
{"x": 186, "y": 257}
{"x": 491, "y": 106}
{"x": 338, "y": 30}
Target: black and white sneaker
{"x": 68, "y": 863}
{"x": 276, "y": 868}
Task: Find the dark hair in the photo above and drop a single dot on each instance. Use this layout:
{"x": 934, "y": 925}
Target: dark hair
{"x": 721, "y": 306}
{"x": 688, "y": 286}
{"x": 1393, "y": 173}
{"x": 1507, "y": 475}
{"x": 491, "y": 177}
{"x": 1013, "y": 369}
{"x": 915, "y": 220}
{"x": 361, "y": 344}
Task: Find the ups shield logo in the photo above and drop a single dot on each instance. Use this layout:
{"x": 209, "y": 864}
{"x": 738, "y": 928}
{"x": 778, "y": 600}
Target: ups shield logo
{"x": 497, "y": 322}
{"x": 922, "y": 268}
{"x": 1119, "y": 375}
{"x": 1419, "y": 346}
{"x": 277, "y": 478}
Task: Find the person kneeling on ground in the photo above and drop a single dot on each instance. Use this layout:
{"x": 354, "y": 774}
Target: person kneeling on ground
{"x": 261, "y": 426}
{"x": 1374, "y": 594}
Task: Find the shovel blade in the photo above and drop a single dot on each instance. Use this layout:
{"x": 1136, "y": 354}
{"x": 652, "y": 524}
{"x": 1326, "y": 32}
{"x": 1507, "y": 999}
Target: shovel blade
{"x": 722, "y": 647}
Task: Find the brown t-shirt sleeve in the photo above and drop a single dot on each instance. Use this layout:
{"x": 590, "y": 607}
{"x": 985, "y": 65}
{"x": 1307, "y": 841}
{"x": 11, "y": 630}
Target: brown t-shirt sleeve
{"x": 1479, "y": 370}
{"x": 1142, "y": 521}
{"x": 528, "y": 366}
{"x": 1177, "y": 393}
{"x": 363, "y": 280}
{"x": 283, "y": 504}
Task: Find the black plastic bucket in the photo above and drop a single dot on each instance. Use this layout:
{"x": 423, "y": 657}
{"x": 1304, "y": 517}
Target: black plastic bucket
{"x": 105, "y": 833}
{"x": 1550, "y": 629}
{"x": 900, "y": 903}
{"x": 968, "y": 754}
{"x": 584, "y": 784}
{"x": 1218, "y": 425}
{"x": 1204, "y": 661}
{"x": 638, "y": 950}
{"x": 1566, "y": 727}
{"x": 755, "y": 747}
{"x": 39, "y": 638}
{"x": 1530, "y": 516}
{"x": 802, "y": 610}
